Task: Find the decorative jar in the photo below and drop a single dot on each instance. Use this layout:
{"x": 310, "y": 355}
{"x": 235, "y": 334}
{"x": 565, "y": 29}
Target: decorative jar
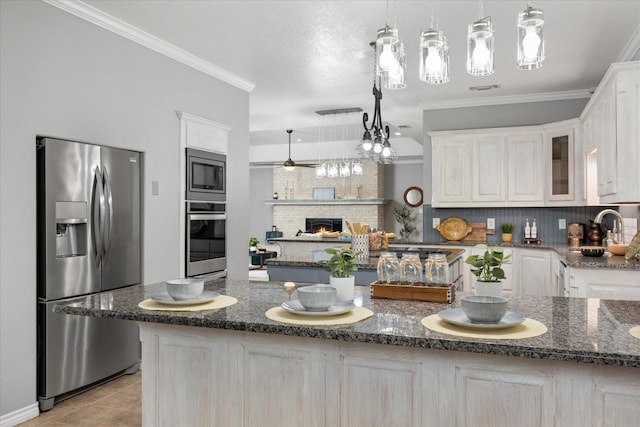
{"x": 410, "y": 268}
{"x": 436, "y": 269}
{"x": 388, "y": 268}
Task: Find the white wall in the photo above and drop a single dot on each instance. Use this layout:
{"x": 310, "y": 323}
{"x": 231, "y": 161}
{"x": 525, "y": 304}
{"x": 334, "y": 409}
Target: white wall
{"x": 62, "y": 76}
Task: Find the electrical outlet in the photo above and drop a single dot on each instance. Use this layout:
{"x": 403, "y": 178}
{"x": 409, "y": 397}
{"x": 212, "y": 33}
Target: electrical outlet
{"x": 562, "y": 224}
{"x": 436, "y": 222}
{"x": 491, "y": 223}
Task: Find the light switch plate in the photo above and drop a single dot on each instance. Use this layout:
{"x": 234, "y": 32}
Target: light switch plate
{"x": 436, "y": 222}
{"x": 154, "y": 188}
{"x": 491, "y": 223}
{"x": 562, "y": 224}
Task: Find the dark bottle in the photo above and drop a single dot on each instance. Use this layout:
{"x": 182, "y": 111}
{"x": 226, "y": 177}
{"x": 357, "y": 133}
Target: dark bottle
{"x": 594, "y": 234}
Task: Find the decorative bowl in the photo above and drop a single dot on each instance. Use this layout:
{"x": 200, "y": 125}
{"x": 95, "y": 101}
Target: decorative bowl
{"x": 317, "y": 297}
{"x": 484, "y": 308}
{"x": 454, "y": 228}
{"x": 185, "y": 289}
{"x": 592, "y": 250}
{"x": 618, "y": 248}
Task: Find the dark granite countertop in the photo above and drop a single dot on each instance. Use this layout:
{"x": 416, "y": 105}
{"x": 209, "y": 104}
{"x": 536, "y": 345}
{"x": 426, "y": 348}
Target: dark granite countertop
{"x": 311, "y": 259}
{"x": 579, "y": 329}
{"x": 572, "y": 258}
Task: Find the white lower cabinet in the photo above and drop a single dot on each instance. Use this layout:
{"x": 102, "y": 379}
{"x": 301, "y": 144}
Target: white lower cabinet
{"x": 532, "y": 272}
{"x": 605, "y": 283}
{"x": 212, "y": 377}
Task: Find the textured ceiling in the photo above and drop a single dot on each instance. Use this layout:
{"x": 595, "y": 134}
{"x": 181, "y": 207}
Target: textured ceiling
{"x": 305, "y": 56}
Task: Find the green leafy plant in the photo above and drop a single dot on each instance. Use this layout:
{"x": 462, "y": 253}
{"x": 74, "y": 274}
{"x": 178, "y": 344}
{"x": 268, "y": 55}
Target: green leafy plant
{"x": 253, "y": 241}
{"x": 404, "y": 217}
{"x": 341, "y": 263}
{"x": 487, "y": 267}
{"x": 506, "y": 227}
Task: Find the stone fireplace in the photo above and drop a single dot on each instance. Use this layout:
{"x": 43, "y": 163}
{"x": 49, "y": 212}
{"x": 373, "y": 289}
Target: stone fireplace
{"x": 357, "y": 198}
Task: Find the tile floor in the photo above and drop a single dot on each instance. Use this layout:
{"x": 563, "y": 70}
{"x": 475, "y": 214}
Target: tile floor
{"x": 117, "y": 403}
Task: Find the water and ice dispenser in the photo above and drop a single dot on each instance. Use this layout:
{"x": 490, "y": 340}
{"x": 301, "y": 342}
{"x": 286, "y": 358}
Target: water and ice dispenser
{"x": 71, "y": 229}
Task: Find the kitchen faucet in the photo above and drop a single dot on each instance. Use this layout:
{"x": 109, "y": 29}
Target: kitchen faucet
{"x": 602, "y": 213}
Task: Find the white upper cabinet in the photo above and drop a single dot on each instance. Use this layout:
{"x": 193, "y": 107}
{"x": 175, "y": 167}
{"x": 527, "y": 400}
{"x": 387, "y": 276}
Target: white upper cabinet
{"x": 563, "y": 155}
{"x": 451, "y": 172}
{"x": 611, "y": 127}
{"x": 526, "y": 170}
{"x": 488, "y": 167}
{"x": 489, "y": 175}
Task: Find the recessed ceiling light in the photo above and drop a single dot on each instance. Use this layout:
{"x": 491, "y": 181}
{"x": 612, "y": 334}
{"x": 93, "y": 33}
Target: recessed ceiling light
{"x": 299, "y": 139}
{"x": 397, "y": 133}
{"x": 486, "y": 87}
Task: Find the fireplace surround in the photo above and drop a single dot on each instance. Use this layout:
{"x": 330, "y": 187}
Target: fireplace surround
{"x": 315, "y": 225}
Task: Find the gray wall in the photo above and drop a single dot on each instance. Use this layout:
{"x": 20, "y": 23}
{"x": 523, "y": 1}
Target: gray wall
{"x": 397, "y": 178}
{"x": 62, "y": 76}
{"x": 261, "y": 215}
{"x": 490, "y": 116}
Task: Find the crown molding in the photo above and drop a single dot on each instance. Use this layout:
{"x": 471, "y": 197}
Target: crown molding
{"x": 632, "y": 47}
{"x": 509, "y": 99}
{"x": 117, "y": 26}
{"x": 201, "y": 120}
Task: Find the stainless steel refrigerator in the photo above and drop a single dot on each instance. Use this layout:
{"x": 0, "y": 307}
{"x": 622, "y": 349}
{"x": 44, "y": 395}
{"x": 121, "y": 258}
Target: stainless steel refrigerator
{"x": 89, "y": 241}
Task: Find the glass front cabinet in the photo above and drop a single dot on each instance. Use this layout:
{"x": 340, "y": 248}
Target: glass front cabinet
{"x": 562, "y": 170}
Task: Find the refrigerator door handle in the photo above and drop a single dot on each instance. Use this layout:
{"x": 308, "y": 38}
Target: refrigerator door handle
{"x": 98, "y": 198}
{"x": 108, "y": 222}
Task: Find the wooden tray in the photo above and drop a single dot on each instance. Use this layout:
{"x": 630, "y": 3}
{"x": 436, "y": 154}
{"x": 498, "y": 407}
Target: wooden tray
{"x": 413, "y": 293}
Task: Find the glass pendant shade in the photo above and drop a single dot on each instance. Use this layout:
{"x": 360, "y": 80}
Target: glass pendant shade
{"x": 434, "y": 57}
{"x": 367, "y": 144}
{"x": 386, "y": 50}
{"x": 394, "y": 78}
{"x": 321, "y": 170}
{"x": 530, "y": 39}
{"x": 356, "y": 167}
{"x": 377, "y": 145}
{"x": 332, "y": 170}
{"x": 345, "y": 169}
{"x": 480, "y": 48}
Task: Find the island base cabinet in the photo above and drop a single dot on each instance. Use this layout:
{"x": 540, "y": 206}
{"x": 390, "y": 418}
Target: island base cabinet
{"x": 212, "y": 377}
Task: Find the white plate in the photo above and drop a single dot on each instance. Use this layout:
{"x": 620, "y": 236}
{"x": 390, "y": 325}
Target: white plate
{"x": 205, "y": 297}
{"x": 339, "y": 307}
{"x": 457, "y": 317}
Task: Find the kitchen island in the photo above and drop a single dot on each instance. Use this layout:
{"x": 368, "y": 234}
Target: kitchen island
{"x": 235, "y": 367}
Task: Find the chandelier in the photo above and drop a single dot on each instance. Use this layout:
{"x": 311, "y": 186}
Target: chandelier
{"x": 333, "y": 167}
{"x": 375, "y": 141}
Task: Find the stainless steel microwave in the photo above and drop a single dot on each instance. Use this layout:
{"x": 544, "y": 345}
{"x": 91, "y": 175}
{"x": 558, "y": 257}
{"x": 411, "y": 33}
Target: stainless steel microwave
{"x": 206, "y": 176}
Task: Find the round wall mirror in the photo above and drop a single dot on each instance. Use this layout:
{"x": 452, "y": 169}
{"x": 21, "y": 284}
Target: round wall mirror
{"x": 413, "y": 196}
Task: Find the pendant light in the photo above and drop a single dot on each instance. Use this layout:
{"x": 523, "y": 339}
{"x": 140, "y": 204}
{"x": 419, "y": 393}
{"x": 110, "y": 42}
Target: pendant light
{"x": 434, "y": 55}
{"x": 480, "y": 47}
{"x": 390, "y": 56}
{"x": 530, "y": 38}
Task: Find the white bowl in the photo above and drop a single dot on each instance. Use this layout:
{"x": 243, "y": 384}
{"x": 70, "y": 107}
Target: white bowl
{"x": 484, "y": 308}
{"x": 185, "y": 289}
{"x": 317, "y": 297}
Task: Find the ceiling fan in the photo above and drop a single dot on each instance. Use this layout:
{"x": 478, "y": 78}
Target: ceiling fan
{"x": 290, "y": 164}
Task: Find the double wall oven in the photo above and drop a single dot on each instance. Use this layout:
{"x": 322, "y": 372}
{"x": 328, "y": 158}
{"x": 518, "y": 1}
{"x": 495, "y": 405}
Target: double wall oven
{"x": 206, "y": 216}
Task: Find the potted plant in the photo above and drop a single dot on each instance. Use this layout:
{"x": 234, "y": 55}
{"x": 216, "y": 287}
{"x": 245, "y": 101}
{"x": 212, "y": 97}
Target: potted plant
{"x": 507, "y": 232}
{"x": 487, "y": 269}
{"x": 253, "y": 242}
{"x": 341, "y": 264}
{"x": 405, "y": 219}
